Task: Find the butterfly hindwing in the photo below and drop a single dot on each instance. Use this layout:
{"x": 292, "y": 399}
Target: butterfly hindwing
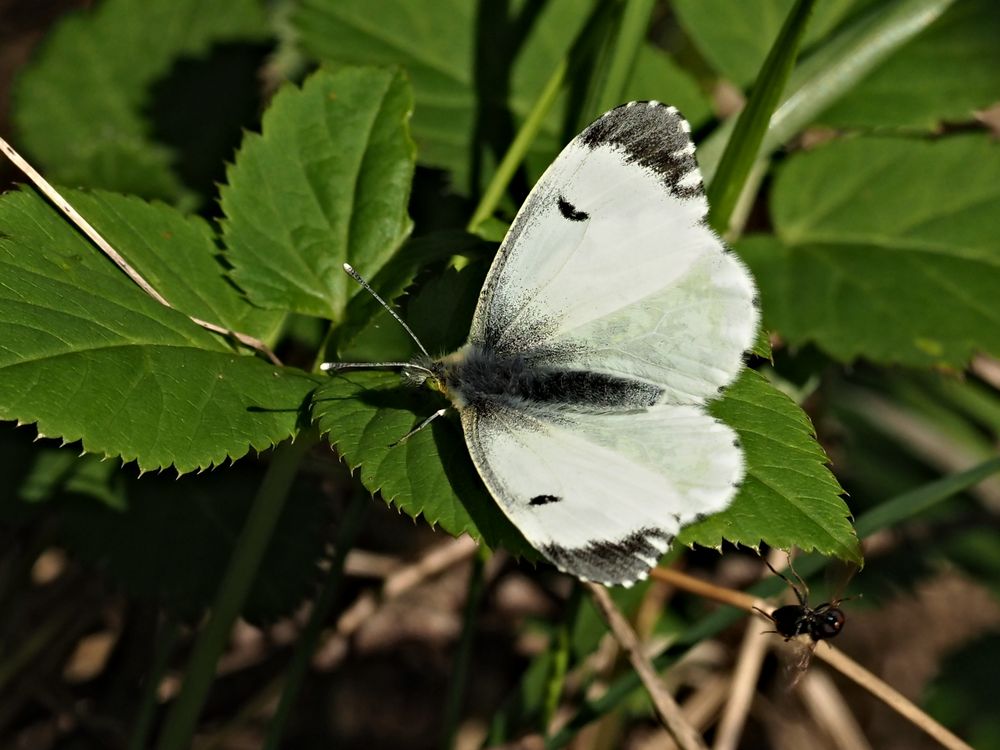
{"x": 610, "y": 266}
{"x": 603, "y": 495}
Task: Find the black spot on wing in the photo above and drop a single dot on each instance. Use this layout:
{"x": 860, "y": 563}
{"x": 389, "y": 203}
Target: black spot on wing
{"x": 653, "y": 135}
{"x": 544, "y": 500}
{"x": 612, "y": 561}
{"x": 569, "y": 211}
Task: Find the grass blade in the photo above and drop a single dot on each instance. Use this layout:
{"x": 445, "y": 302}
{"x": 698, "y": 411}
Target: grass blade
{"x": 233, "y": 590}
{"x": 742, "y": 148}
{"x": 350, "y": 526}
{"x": 628, "y": 41}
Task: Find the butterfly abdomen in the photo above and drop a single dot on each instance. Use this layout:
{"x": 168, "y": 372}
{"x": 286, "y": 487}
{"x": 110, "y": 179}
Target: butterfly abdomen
{"x": 475, "y": 376}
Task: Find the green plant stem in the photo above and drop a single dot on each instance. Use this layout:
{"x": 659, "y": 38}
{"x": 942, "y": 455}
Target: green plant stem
{"x": 463, "y": 655}
{"x": 233, "y": 591}
{"x": 166, "y": 638}
{"x": 347, "y": 534}
{"x": 830, "y": 72}
{"x": 560, "y": 656}
{"x": 522, "y": 142}
{"x": 890, "y": 512}
{"x": 742, "y": 148}
{"x": 614, "y": 73}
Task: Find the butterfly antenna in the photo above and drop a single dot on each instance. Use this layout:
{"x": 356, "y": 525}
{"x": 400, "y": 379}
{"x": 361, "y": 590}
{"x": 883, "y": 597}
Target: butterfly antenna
{"x": 349, "y": 269}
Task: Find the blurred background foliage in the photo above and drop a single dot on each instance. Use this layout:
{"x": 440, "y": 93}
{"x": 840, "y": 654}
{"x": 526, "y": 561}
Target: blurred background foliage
{"x": 870, "y": 221}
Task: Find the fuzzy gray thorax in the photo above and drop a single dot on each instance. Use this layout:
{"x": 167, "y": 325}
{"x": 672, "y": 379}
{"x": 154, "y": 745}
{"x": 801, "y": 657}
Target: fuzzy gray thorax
{"x": 475, "y": 376}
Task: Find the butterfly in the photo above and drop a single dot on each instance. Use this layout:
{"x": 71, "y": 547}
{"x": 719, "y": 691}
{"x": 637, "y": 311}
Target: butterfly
{"x": 611, "y": 314}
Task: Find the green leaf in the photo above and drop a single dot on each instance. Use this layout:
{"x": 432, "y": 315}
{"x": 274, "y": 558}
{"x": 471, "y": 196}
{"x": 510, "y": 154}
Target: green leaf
{"x": 737, "y": 48}
{"x": 789, "y": 497}
{"x": 178, "y": 255}
{"x": 79, "y": 108}
{"x": 945, "y": 74}
{"x": 436, "y": 44}
{"x": 433, "y": 41}
{"x": 327, "y": 182}
{"x": 657, "y": 76}
{"x": 88, "y": 356}
{"x": 885, "y": 249}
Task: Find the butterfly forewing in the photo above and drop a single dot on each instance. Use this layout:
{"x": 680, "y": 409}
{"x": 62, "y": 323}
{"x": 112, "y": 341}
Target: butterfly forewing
{"x": 610, "y": 266}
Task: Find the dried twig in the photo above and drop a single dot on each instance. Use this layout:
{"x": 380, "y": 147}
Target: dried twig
{"x": 744, "y": 686}
{"x": 440, "y": 558}
{"x": 836, "y": 659}
{"x": 987, "y": 368}
{"x": 745, "y": 677}
{"x": 830, "y": 711}
{"x": 666, "y": 707}
{"x": 84, "y": 226}
{"x": 890, "y": 696}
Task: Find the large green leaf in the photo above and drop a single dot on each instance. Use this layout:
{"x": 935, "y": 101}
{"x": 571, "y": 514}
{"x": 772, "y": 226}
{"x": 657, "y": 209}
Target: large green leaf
{"x": 178, "y": 256}
{"x": 944, "y": 74}
{"x": 886, "y": 249}
{"x": 657, "y": 76}
{"x": 327, "y": 182}
{"x": 87, "y": 356}
{"x": 79, "y": 108}
{"x": 433, "y": 41}
{"x": 436, "y": 42}
{"x": 737, "y": 46}
{"x": 789, "y": 497}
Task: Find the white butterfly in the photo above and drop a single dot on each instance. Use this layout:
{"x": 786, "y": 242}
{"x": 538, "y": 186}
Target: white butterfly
{"x": 611, "y": 314}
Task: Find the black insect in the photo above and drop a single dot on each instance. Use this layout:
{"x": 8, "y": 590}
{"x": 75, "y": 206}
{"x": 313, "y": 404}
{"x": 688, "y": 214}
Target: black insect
{"x": 819, "y": 623}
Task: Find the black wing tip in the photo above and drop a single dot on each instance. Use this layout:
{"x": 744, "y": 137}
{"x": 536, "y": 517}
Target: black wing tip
{"x": 643, "y": 110}
{"x": 655, "y": 136}
{"x": 621, "y": 562}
